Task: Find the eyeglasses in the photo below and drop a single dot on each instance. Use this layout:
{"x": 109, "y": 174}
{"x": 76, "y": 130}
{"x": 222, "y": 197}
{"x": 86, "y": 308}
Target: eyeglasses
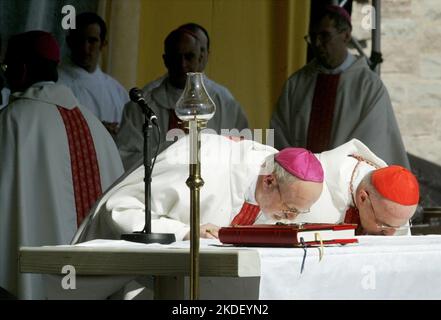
{"x": 382, "y": 226}
{"x": 290, "y": 210}
{"x": 324, "y": 37}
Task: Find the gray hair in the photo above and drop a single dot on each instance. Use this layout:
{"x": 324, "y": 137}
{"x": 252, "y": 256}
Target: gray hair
{"x": 340, "y": 23}
{"x": 367, "y": 183}
{"x": 282, "y": 176}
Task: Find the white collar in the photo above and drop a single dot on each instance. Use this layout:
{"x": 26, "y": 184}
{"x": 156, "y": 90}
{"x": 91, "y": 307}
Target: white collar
{"x": 42, "y": 83}
{"x": 250, "y": 195}
{"x": 349, "y": 60}
{"x": 79, "y": 71}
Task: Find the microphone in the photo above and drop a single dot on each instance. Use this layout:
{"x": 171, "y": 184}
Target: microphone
{"x": 146, "y": 235}
{"x": 137, "y": 96}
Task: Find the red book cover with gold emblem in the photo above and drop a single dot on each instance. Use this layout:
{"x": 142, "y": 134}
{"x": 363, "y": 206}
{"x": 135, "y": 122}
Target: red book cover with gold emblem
{"x": 289, "y": 235}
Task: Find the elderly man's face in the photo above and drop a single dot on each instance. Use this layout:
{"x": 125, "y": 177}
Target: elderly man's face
{"x": 329, "y": 44}
{"x": 86, "y": 46}
{"x": 185, "y": 56}
{"x": 286, "y": 201}
{"x": 383, "y": 217}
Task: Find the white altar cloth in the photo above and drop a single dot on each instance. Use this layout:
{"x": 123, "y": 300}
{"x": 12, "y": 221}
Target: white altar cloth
{"x": 405, "y": 267}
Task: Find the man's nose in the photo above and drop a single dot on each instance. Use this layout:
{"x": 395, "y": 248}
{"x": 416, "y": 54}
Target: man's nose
{"x": 290, "y": 215}
{"x": 316, "y": 41}
{"x": 85, "y": 46}
{"x": 388, "y": 232}
{"x": 286, "y": 214}
{"x": 186, "y": 65}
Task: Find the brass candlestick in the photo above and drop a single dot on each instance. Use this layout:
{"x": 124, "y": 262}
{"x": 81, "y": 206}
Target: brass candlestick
{"x": 194, "y": 182}
{"x": 195, "y": 107}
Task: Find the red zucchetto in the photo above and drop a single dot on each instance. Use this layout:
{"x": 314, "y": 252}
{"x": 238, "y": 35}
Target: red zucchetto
{"x": 397, "y": 184}
{"x": 34, "y": 44}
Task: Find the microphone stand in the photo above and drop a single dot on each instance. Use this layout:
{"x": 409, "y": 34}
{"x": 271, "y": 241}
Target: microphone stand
{"x": 146, "y": 235}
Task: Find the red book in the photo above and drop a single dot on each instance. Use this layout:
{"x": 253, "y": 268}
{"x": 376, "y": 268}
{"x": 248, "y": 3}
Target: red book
{"x": 266, "y": 235}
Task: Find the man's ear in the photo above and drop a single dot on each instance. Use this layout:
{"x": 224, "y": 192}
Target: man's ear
{"x": 103, "y": 44}
{"x": 362, "y": 196}
{"x": 347, "y": 36}
{"x": 164, "y": 58}
{"x": 269, "y": 181}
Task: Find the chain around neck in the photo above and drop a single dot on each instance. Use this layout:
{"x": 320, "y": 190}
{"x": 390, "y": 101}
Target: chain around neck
{"x": 359, "y": 159}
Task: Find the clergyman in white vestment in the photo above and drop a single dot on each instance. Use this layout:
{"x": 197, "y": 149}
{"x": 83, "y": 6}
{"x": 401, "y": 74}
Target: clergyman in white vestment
{"x": 56, "y": 159}
{"x": 349, "y": 170}
{"x": 163, "y": 93}
{"x": 237, "y": 189}
{"x": 336, "y": 98}
{"x": 99, "y": 92}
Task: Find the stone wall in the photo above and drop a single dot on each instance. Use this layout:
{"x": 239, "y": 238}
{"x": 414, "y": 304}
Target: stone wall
{"x": 411, "y": 47}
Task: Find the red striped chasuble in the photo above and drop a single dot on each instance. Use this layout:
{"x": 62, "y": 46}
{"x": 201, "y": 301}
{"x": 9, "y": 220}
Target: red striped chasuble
{"x": 322, "y": 112}
{"x": 84, "y": 163}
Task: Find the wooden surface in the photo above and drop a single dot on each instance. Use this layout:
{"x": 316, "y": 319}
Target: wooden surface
{"x": 138, "y": 261}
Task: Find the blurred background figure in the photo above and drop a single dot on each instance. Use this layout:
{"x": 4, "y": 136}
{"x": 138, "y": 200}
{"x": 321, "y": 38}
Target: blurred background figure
{"x": 56, "y": 159}
{"x": 4, "y": 91}
{"x": 96, "y": 90}
{"x": 185, "y": 50}
{"x": 337, "y": 97}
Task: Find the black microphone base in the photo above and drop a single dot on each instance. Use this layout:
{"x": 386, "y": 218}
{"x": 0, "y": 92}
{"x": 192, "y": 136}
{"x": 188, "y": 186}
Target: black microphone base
{"x": 142, "y": 237}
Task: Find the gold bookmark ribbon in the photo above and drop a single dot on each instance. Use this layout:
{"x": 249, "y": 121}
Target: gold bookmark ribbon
{"x": 318, "y": 238}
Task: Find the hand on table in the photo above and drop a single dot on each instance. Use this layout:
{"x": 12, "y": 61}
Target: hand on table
{"x": 207, "y": 231}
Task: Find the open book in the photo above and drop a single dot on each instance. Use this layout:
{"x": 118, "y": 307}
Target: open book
{"x": 288, "y": 235}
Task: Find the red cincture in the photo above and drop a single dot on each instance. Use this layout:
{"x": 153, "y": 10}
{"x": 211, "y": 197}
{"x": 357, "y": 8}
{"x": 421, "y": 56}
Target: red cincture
{"x": 247, "y": 215}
